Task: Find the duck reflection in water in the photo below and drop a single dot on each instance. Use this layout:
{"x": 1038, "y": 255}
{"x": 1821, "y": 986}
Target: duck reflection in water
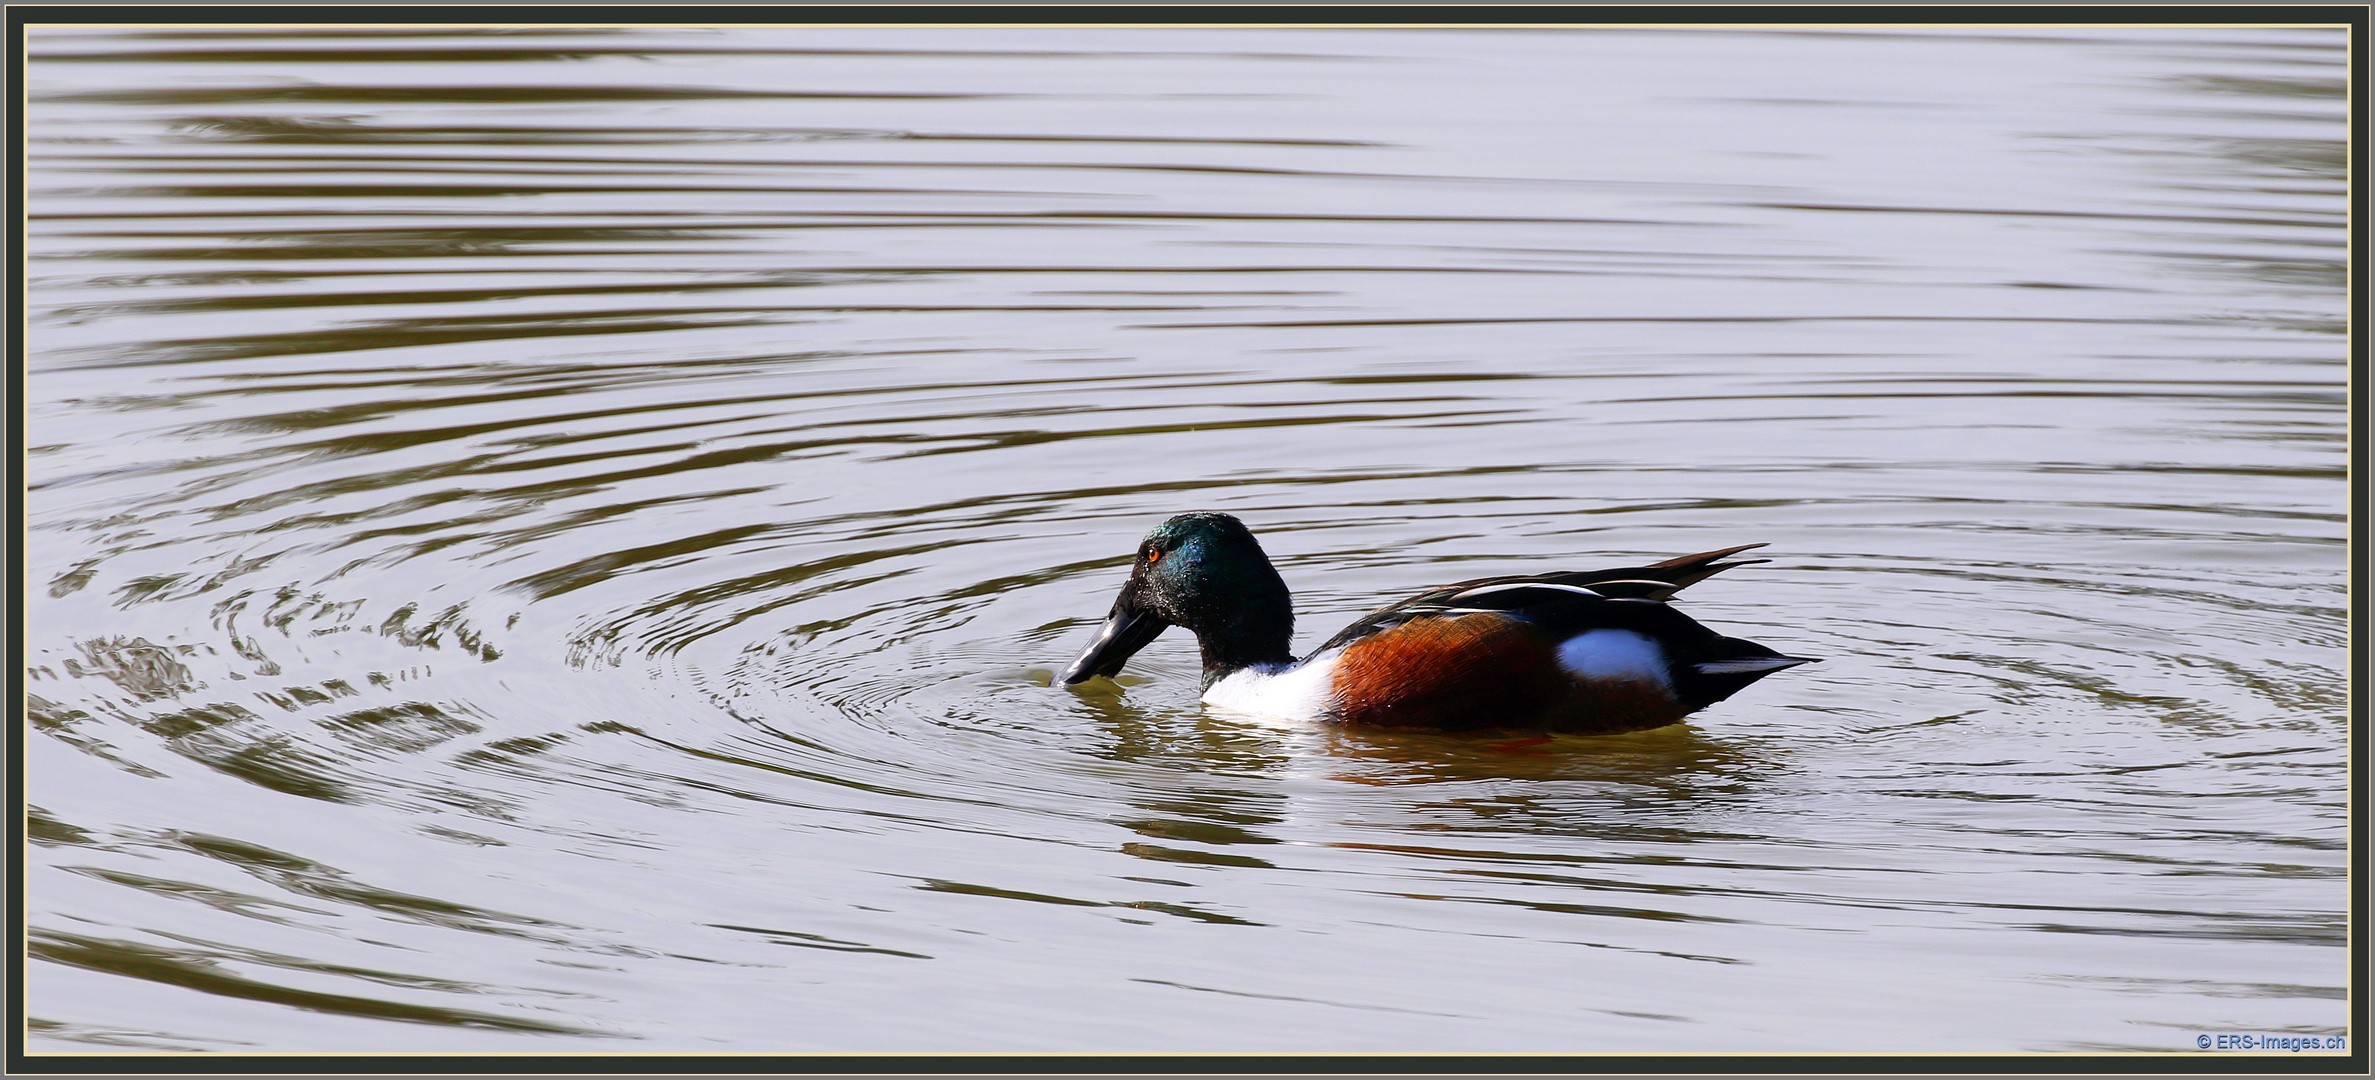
{"x": 1593, "y": 652}
{"x": 1171, "y": 736}
{"x": 1676, "y": 765}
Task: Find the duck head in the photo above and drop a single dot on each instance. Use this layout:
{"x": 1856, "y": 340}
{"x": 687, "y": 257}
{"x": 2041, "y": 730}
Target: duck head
{"x": 1203, "y": 571}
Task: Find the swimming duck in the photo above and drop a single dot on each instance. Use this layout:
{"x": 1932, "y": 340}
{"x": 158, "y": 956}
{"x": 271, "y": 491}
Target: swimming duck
{"x": 1595, "y": 652}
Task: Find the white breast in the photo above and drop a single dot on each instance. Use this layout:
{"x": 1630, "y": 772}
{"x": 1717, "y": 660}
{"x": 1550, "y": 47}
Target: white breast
{"x": 1303, "y": 692}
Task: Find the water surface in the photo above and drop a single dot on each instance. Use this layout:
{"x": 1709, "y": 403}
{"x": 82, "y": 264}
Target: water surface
{"x": 558, "y": 540}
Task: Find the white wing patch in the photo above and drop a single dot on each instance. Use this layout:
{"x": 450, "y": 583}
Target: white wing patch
{"x": 1616, "y": 656}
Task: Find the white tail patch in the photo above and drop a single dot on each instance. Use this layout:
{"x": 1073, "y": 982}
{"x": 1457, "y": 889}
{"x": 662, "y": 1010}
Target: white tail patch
{"x": 1748, "y": 666}
{"x": 1615, "y": 655}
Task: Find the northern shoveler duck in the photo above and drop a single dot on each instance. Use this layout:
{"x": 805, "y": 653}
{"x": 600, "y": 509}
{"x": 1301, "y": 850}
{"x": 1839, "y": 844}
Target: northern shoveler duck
{"x": 1594, "y": 652}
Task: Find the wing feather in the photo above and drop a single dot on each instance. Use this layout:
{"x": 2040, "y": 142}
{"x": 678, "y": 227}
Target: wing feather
{"x": 1553, "y": 597}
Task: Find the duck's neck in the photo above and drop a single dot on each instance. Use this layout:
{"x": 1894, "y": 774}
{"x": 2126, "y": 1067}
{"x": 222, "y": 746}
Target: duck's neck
{"x": 1257, "y": 635}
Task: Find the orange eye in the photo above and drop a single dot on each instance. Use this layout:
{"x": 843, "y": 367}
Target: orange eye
{"x": 1152, "y": 556}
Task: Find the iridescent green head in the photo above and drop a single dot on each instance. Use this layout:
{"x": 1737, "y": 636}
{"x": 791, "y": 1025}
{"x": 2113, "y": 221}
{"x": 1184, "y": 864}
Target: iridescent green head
{"x": 1203, "y": 571}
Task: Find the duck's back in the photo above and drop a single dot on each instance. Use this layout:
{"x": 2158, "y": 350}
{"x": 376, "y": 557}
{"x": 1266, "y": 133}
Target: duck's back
{"x": 1592, "y": 651}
